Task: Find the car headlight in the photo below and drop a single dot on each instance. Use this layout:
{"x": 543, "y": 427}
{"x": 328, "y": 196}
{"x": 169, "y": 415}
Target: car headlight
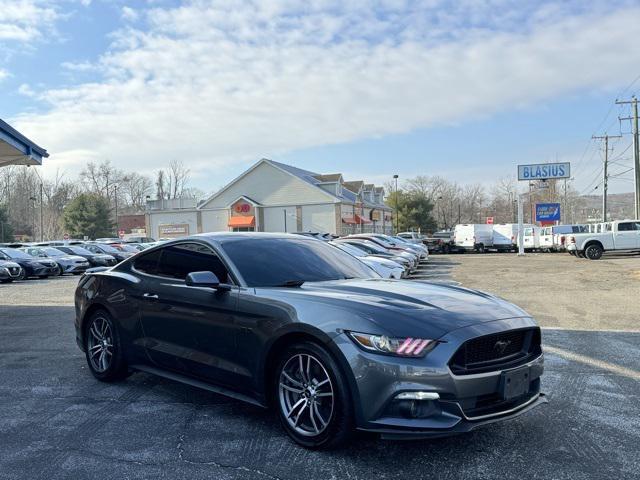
{"x": 402, "y": 347}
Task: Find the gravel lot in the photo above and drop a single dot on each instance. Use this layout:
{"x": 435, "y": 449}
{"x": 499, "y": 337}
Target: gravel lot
{"x": 58, "y": 422}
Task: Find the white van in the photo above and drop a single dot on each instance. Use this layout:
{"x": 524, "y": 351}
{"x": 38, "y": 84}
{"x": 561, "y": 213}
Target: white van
{"x": 531, "y": 237}
{"x": 554, "y": 238}
{"x": 505, "y": 236}
{"x": 473, "y": 236}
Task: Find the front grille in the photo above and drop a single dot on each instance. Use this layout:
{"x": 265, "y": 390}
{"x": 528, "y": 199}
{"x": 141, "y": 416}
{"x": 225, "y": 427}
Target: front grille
{"x": 14, "y": 271}
{"x": 496, "y": 351}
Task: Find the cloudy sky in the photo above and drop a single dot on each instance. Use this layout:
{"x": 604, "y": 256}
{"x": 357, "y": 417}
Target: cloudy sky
{"x": 466, "y": 89}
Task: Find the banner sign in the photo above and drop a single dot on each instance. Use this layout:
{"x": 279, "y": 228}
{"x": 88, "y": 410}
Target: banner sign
{"x": 544, "y": 171}
{"x": 547, "y": 212}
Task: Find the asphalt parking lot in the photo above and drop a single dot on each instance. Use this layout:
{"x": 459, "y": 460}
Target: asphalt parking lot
{"x": 58, "y": 422}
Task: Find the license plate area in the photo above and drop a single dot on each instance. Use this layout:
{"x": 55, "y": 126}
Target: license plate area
{"x": 515, "y": 383}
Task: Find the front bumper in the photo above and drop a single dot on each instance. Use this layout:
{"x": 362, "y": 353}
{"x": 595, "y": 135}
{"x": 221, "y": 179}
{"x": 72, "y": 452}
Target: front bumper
{"x": 42, "y": 270}
{"x": 461, "y": 403}
{"x": 74, "y": 267}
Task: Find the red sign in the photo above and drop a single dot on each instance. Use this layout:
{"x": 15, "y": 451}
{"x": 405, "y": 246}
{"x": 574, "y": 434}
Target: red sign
{"x": 489, "y": 220}
{"x": 65, "y": 236}
{"x": 243, "y": 208}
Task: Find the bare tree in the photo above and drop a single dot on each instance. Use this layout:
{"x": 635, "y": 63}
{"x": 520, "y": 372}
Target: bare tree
{"x": 135, "y": 188}
{"x": 178, "y": 176}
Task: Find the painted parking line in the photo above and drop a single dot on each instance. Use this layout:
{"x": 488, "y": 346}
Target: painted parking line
{"x": 594, "y": 362}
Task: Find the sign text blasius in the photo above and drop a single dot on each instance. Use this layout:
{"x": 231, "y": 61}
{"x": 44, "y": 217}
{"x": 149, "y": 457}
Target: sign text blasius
{"x": 544, "y": 171}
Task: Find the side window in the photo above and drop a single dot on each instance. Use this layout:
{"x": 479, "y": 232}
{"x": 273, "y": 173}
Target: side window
{"x": 179, "y": 260}
{"x": 626, "y": 227}
{"x": 148, "y": 263}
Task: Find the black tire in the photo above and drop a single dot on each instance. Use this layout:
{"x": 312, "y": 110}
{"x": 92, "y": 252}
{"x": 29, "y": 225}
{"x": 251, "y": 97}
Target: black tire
{"x": 339, "y": 425}
{"x": 116, "y": 369}
{"x": 23, "y": 274}
{"x": 593, "y": 252}
{"x": 59, "y": 272}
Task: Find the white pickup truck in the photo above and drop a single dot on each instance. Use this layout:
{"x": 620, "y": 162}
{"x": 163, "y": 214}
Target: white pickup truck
{"x": 623, "y": 235}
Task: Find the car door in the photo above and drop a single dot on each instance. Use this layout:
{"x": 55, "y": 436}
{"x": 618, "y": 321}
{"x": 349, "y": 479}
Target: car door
{"x": 190, "y": 329}
{"x": 626, "y": 238}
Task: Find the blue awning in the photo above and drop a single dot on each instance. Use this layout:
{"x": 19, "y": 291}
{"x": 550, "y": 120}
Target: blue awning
{"x": 16, "y": 149}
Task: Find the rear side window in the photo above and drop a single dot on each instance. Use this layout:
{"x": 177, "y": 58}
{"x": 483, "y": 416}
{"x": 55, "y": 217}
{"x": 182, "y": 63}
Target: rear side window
{"x": 148, "y": 263}
{"x": 178, "y": 261}
{"x": 628, "y": 227}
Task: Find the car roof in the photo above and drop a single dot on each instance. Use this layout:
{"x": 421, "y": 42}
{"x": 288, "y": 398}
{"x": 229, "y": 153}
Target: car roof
{"x": 223, "y": 237}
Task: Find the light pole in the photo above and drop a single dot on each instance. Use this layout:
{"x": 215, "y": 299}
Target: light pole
{"x": 395, "y": 177}
{"x": 41, "y": 207}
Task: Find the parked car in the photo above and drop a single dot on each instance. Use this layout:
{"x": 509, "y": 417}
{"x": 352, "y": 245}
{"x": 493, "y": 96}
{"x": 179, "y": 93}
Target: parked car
{"x": 316, "y": 334}
{"x": 129, "y": 238}
{"x": 126, "y": 247}
{"x": 104, "y": 249}
{"x": 476, "y": 237}
{"x": 505, "y": 237}
{"x": 531, "y": 238}
{"x": 95, "y": 259}
{"x": 9, "y": 271}
{"x": 383, "y": 267}
{"x": 389, "y": 245}
{"x": 554, "y": 238}
{"x": 374, "y": 248}
{"x": 418, "y": 248}
{"x": 413, "y": 237}
{"x": 617, "y": 236}
{"x": 74, "y": 264}
{"x": 31, "y": 266}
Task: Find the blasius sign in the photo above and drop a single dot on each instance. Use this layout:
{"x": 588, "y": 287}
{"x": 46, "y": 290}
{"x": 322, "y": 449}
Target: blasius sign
{"x": 544, "y": 171}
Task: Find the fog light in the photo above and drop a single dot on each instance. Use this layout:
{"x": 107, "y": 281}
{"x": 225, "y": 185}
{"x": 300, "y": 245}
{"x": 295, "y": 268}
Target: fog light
{"x": 417, "y": 396}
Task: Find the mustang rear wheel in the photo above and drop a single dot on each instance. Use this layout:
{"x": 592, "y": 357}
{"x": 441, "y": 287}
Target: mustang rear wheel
{"x": 312, "y": 397}
{"x": 103, "y": 348}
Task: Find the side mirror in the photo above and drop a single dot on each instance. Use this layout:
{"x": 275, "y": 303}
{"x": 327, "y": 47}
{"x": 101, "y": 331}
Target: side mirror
{"x": 206, "y": 279}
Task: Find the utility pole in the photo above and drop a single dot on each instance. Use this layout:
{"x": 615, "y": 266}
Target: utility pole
{"x": 636, "y": 149}
{"x": 605, "y": 175}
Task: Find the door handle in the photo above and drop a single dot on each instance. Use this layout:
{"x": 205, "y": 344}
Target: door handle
{"x": 150, "y": 296}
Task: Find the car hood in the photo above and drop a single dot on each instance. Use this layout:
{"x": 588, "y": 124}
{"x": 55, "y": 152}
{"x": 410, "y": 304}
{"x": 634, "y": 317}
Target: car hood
{"x": 7, "y": 264}
{"x": 71, "y": 258}
{"x": 403, "y": 308}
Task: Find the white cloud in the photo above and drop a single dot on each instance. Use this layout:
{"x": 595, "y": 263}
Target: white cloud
{"x": 4, "y": 74}
{"x": 25, "y": 20}
{"x": 219, "y": 84}
{"x": 129, "y": 14}
{"x": 26, "y": 90}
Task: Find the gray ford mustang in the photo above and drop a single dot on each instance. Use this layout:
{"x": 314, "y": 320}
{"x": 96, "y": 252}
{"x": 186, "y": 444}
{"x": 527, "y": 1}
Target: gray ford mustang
{"x": 291, "y": 322}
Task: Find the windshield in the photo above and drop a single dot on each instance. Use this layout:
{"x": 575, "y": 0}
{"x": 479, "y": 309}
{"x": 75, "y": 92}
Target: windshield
{"x": 13, "y": 253}
{"x": 53, "y": 252}
{"x": 272, "y": 262}
{"x": 107, "y": 248}
{"x": 350, "y": 249}
{"x": 78, "y": 250}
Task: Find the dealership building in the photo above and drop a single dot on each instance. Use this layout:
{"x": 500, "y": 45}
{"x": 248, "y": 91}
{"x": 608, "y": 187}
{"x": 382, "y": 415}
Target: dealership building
{"x": 274, "y": 197}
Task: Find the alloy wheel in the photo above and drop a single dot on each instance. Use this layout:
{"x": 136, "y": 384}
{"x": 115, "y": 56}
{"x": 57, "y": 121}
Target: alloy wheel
{"x": 306, "y": 394}
{"x": 100, "y": 344}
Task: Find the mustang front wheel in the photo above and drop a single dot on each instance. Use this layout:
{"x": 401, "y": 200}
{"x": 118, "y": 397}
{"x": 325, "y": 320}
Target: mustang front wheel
{"x": 312, "y": 397}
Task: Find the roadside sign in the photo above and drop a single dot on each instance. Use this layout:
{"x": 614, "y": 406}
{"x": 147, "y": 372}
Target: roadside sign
{"x": 489, "y": 220}
{"x": 65, "y": 236}
{"x": 544, "y": 171}
{"x": 547, "y": 212}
